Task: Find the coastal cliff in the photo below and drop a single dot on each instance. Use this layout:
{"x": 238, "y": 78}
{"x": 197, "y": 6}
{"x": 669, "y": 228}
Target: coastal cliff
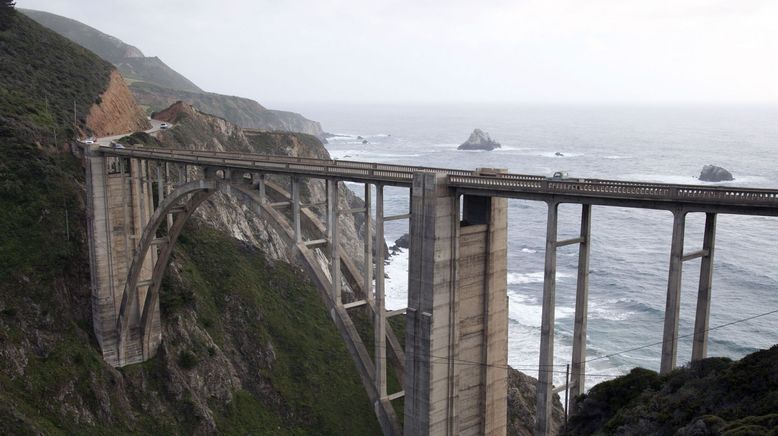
{"x": 240, "y": 111}
{"x": 115, "y": 111}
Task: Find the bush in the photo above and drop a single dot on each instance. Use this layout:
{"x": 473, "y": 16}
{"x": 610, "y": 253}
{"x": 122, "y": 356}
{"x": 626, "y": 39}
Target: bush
{"x": 187, "y": 359}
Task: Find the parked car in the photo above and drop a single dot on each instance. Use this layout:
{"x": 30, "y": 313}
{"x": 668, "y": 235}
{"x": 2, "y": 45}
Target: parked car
{"x": 116, "y": 145}
{"x": 164, "y": 126}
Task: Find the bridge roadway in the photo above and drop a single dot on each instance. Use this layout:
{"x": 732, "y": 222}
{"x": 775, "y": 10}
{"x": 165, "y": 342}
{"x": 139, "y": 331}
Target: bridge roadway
{"x": 691, "y": 198}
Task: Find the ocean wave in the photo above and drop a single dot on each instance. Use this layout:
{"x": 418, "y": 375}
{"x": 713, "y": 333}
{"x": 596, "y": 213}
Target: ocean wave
{"x": 528, "y": 250}
{"x": 533, "y": 277}
{"x": 554, "y": 154}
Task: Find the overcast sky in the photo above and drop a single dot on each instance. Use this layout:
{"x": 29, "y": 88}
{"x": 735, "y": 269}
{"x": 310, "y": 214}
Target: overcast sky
{"x": 568, "y": 51}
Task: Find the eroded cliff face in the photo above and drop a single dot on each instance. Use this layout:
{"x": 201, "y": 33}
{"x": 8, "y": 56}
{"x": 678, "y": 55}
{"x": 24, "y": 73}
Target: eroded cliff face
{"x": 241, "y": 111}
{"x": 199, "y": 131}
{"x": 115, "y": 111}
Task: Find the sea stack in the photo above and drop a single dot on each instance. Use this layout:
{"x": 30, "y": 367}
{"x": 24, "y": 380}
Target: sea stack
{"x": 479, "y": 140}
{"x": 712, "y": 173}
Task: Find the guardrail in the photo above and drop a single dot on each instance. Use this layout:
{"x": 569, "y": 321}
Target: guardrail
{"x": 496, "y": 182}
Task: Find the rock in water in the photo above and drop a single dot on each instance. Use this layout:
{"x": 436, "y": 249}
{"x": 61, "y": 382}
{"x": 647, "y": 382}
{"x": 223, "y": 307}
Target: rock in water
{"x": 479, "y": 140}
{"x": 712, "y": 173}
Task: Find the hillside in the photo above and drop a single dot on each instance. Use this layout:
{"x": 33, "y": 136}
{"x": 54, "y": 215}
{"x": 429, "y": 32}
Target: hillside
{"x": 133, "y": 65}
{"x": 245, "y": 336}
{"x": 241, "y": 111}
{"x": 157, "y": 86}
{"x": 712, "y": 396}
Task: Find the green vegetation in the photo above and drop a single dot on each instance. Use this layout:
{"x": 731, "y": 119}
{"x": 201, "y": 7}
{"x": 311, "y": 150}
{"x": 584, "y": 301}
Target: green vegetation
{"x": 311, "y": 373}
{"x": 226, "y": 308}
{"x": 130, "y": 61}
{"x": 41, "y": 76}
{"x": 715, "y": 395}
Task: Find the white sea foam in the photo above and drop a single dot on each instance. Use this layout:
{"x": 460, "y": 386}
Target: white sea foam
{"x": 533, "y": 277}
{"x": 528, "y": 250}
{"x": 396, "y": 284}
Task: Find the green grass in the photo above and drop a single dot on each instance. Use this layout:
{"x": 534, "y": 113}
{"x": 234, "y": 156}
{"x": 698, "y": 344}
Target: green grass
{"x": 312, "y": 372}
{"x": 42, "y": 75}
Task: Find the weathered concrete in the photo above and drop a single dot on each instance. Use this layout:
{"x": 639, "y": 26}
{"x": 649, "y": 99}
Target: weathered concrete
{"x": 702, "y": 318}
{"x": 456, "y": 323}
{"x": 546, "y": 364}
{"x": 578, "y": 366}
{"x": 673, "y": 304}
{"x": 120, "y": 206}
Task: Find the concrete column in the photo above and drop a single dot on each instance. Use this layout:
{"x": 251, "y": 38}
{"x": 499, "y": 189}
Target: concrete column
{"x": 369, "y": 242}
{"x": 578, "y": 367}
{"x": 167, "y": 190}
{"x": 332, "y": 208}
{"x": 700, "y": 344}
{"x": 546, "y": 364}
{"x": 262, "y": 193}
{"x": 673, "y": 305}
{"x": 379, "y": 326}
{"x": 430, "y": 382}
{"x": 296, "y": 209}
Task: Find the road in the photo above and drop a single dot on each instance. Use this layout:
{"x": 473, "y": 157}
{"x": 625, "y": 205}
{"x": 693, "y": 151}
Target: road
{"x": 105, "y": 141}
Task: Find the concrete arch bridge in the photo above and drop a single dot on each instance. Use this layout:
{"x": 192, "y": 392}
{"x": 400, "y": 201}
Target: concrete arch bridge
{"x": 140, "y": 199}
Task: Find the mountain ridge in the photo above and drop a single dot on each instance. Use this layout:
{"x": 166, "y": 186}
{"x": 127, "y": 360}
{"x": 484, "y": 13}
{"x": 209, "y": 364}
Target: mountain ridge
{"x": 156, "y": 86}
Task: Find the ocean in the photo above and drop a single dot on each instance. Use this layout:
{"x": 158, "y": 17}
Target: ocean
{"x": 630, "y": 247}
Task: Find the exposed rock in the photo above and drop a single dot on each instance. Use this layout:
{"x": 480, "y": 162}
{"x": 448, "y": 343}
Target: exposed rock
{"x": 479, "y": 140}
{"x": 558, "y": 154}
{"x": 403, "y": 241}
{"x": 242, "y": 112}
{"x": 364, "y": 141}
{"x": 115, "y": 110}
{"x": 713, "y": 173}
{"x": 522, "y": 405}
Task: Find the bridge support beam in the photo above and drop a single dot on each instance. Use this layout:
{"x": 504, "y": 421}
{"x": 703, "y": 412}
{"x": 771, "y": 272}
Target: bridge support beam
{"x": 379, "y": 324}
{"x": 457, "y": 311}
{"x": 578, "y": 367}
{"x": 700, "y": 344}
{"x": 546, "y": 364}
{"x": 332, "y": 230}
{"x": 673, "y": 304}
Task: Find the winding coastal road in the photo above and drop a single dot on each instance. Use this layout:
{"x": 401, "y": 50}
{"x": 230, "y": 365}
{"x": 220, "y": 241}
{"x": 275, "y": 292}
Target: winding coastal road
{"x": 105, "y": 141}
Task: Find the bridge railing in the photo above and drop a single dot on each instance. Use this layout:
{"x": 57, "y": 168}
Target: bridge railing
{"x": 619, "y": 189}
{"x": 501, "y": 182}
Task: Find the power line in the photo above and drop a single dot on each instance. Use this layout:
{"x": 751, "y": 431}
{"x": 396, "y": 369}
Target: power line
{"x": 538, "y": 367}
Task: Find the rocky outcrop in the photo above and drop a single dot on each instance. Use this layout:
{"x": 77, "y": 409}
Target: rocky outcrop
{"x": 479, "y": 140}
{"x": 201, "y": 131}
{"x": 115, "y": 112}
{"x": 713, "y": 173}
{"x": 240, "y": 111}
{"x": 522, "y": 406}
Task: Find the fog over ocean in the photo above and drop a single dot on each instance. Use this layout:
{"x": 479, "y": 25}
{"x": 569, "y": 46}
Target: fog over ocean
{"x": 630, "y": 247}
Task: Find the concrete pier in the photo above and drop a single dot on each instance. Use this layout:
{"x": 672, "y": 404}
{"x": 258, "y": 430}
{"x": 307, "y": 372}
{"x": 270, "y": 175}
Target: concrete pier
{"x": 673, "y": 304}
{"x": 457, "y": 313}
{"x": 546, "y": 363}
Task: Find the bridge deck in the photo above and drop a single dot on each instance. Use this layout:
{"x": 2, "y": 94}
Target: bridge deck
{"x": 721, "y": 199}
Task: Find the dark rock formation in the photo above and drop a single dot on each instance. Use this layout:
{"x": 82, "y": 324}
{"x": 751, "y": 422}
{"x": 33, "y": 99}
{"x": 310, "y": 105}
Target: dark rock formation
{"x": 479, "y": 140}
{"x": 364, "y": 141}
{"x": 403, "y": 241}
{"x": 522, "y": 405}
{"x": 712, "y": 173}
{"x": 558, "y": 154}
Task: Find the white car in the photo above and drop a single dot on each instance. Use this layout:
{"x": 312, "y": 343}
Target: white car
{"x": 164, "y": 126}
{"x": 88, "y": 141}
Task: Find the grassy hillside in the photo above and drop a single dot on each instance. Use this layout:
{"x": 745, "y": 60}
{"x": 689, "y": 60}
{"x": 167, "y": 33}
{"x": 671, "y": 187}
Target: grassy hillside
{"x": 248, "y": 346}
{"x": 130, "y": 61}
{"x": 41, "y": 76}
